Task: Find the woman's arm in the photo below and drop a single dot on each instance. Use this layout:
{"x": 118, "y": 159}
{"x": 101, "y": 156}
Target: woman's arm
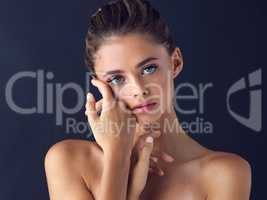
{"x": 114, "y": 180}
{"x": 63, "y": 176}
{"x": 115, "y": 144}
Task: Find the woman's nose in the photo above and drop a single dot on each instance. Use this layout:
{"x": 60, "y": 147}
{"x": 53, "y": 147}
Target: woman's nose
{"x": 142, "y": 93}
{"x": 139, "y": 89}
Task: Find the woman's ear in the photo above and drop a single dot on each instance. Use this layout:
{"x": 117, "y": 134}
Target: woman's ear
{"x": 177, "y": 62}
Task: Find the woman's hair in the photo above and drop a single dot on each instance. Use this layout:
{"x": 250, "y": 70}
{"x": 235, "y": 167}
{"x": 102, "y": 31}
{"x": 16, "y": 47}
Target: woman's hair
{"x": 120, "y": 17}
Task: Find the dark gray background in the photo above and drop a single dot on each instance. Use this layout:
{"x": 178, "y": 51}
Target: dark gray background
{"x": 221, "y": 42}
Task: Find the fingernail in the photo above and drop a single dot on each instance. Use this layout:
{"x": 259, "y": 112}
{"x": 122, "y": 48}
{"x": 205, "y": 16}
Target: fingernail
{"x": 149, "y": 139}
{"x": 170, "y": 158}
{"x": 89, "y": 96}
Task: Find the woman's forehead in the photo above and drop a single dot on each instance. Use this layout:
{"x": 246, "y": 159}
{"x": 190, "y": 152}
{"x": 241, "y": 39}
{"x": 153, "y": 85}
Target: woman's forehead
{"x": 128, "y": 50}
{"x": 128, "y": 44}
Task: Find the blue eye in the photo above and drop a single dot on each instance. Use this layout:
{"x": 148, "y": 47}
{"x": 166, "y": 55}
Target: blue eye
{"x": 117, "y": 79}
{"x": 150, "y": 69}
{"x": 114, "y": 79}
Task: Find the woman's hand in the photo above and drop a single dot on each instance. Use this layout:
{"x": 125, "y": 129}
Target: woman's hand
{"x": 114, "y": 129}
{"x": 145, "y": 160}
{"x": 141, "y": 163}
{"x": 139, "y": 173}
{"x": 145, "y": 131}
{"x": 156, "y": 155}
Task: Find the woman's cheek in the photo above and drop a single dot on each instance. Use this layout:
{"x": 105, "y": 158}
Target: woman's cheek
{"x": 159, "y": 79}
{"x": 122, "y": 93}
{"x": 116, "y": 93}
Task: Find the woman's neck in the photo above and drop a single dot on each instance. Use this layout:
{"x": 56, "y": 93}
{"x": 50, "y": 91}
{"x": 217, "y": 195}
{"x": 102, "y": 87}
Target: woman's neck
{"x": 175, "y": 141}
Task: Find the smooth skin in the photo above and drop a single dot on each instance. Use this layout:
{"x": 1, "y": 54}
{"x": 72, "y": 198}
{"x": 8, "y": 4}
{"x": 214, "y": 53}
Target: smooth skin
{"x": 168, "y": 164}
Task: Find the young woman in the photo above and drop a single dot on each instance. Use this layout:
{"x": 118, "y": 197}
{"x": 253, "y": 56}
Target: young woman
{"x": 141, "y": 151}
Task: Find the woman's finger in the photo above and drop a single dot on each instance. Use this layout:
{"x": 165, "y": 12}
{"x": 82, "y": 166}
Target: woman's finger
{"x": 146, "y": 151}
{"x": 155, "y": 159}
{"x": 90, "y": 107}
{"x": 141, "y": 168}
{"x": 155, "y": 171}
{"x": 99, "y": 106}
{"x": 144, "y": 157}
{"x": 141, "y": 139}
{"x": 156, "y": 168}
{"x": 166, "y": 157}
{"x": 157, "y": 153}
{"x": 105, "y": 91}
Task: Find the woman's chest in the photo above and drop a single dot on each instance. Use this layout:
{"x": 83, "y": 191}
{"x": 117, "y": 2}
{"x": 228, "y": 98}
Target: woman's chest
{"x": 174, "y": 187}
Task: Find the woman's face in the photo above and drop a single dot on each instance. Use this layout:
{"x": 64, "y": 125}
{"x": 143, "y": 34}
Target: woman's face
{"x": 139, "y": 70}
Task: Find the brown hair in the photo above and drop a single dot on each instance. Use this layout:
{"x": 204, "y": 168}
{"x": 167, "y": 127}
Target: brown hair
{"x": 121, "y": 17}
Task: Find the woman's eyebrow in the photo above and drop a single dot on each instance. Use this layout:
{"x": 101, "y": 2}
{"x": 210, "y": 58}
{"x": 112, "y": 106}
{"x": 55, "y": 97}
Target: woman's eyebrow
{"x": 140, "y": 64}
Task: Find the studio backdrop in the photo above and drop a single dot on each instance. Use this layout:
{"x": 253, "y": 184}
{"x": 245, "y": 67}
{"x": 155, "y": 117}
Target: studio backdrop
{"x": 43, "y": 79}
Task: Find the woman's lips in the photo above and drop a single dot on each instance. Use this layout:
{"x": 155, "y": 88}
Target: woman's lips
{"x": 146, "y": 108}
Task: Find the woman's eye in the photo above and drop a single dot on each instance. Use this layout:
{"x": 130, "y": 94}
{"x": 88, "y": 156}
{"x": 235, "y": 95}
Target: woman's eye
{"x": 115, "y": 80}
{"x": 150, "y": 69}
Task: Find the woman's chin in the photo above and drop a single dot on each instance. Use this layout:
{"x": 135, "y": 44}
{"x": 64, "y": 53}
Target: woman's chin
{"x": 147, "y": 117}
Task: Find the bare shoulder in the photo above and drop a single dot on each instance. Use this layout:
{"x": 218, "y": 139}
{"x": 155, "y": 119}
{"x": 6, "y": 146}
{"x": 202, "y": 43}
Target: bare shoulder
{"x": 225, "y": 163}
{"x": 226, "y": 176}
{"x": 72, "y": 148}
{"x": 71, "y": 163}
{"x": 75, "y": 155}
